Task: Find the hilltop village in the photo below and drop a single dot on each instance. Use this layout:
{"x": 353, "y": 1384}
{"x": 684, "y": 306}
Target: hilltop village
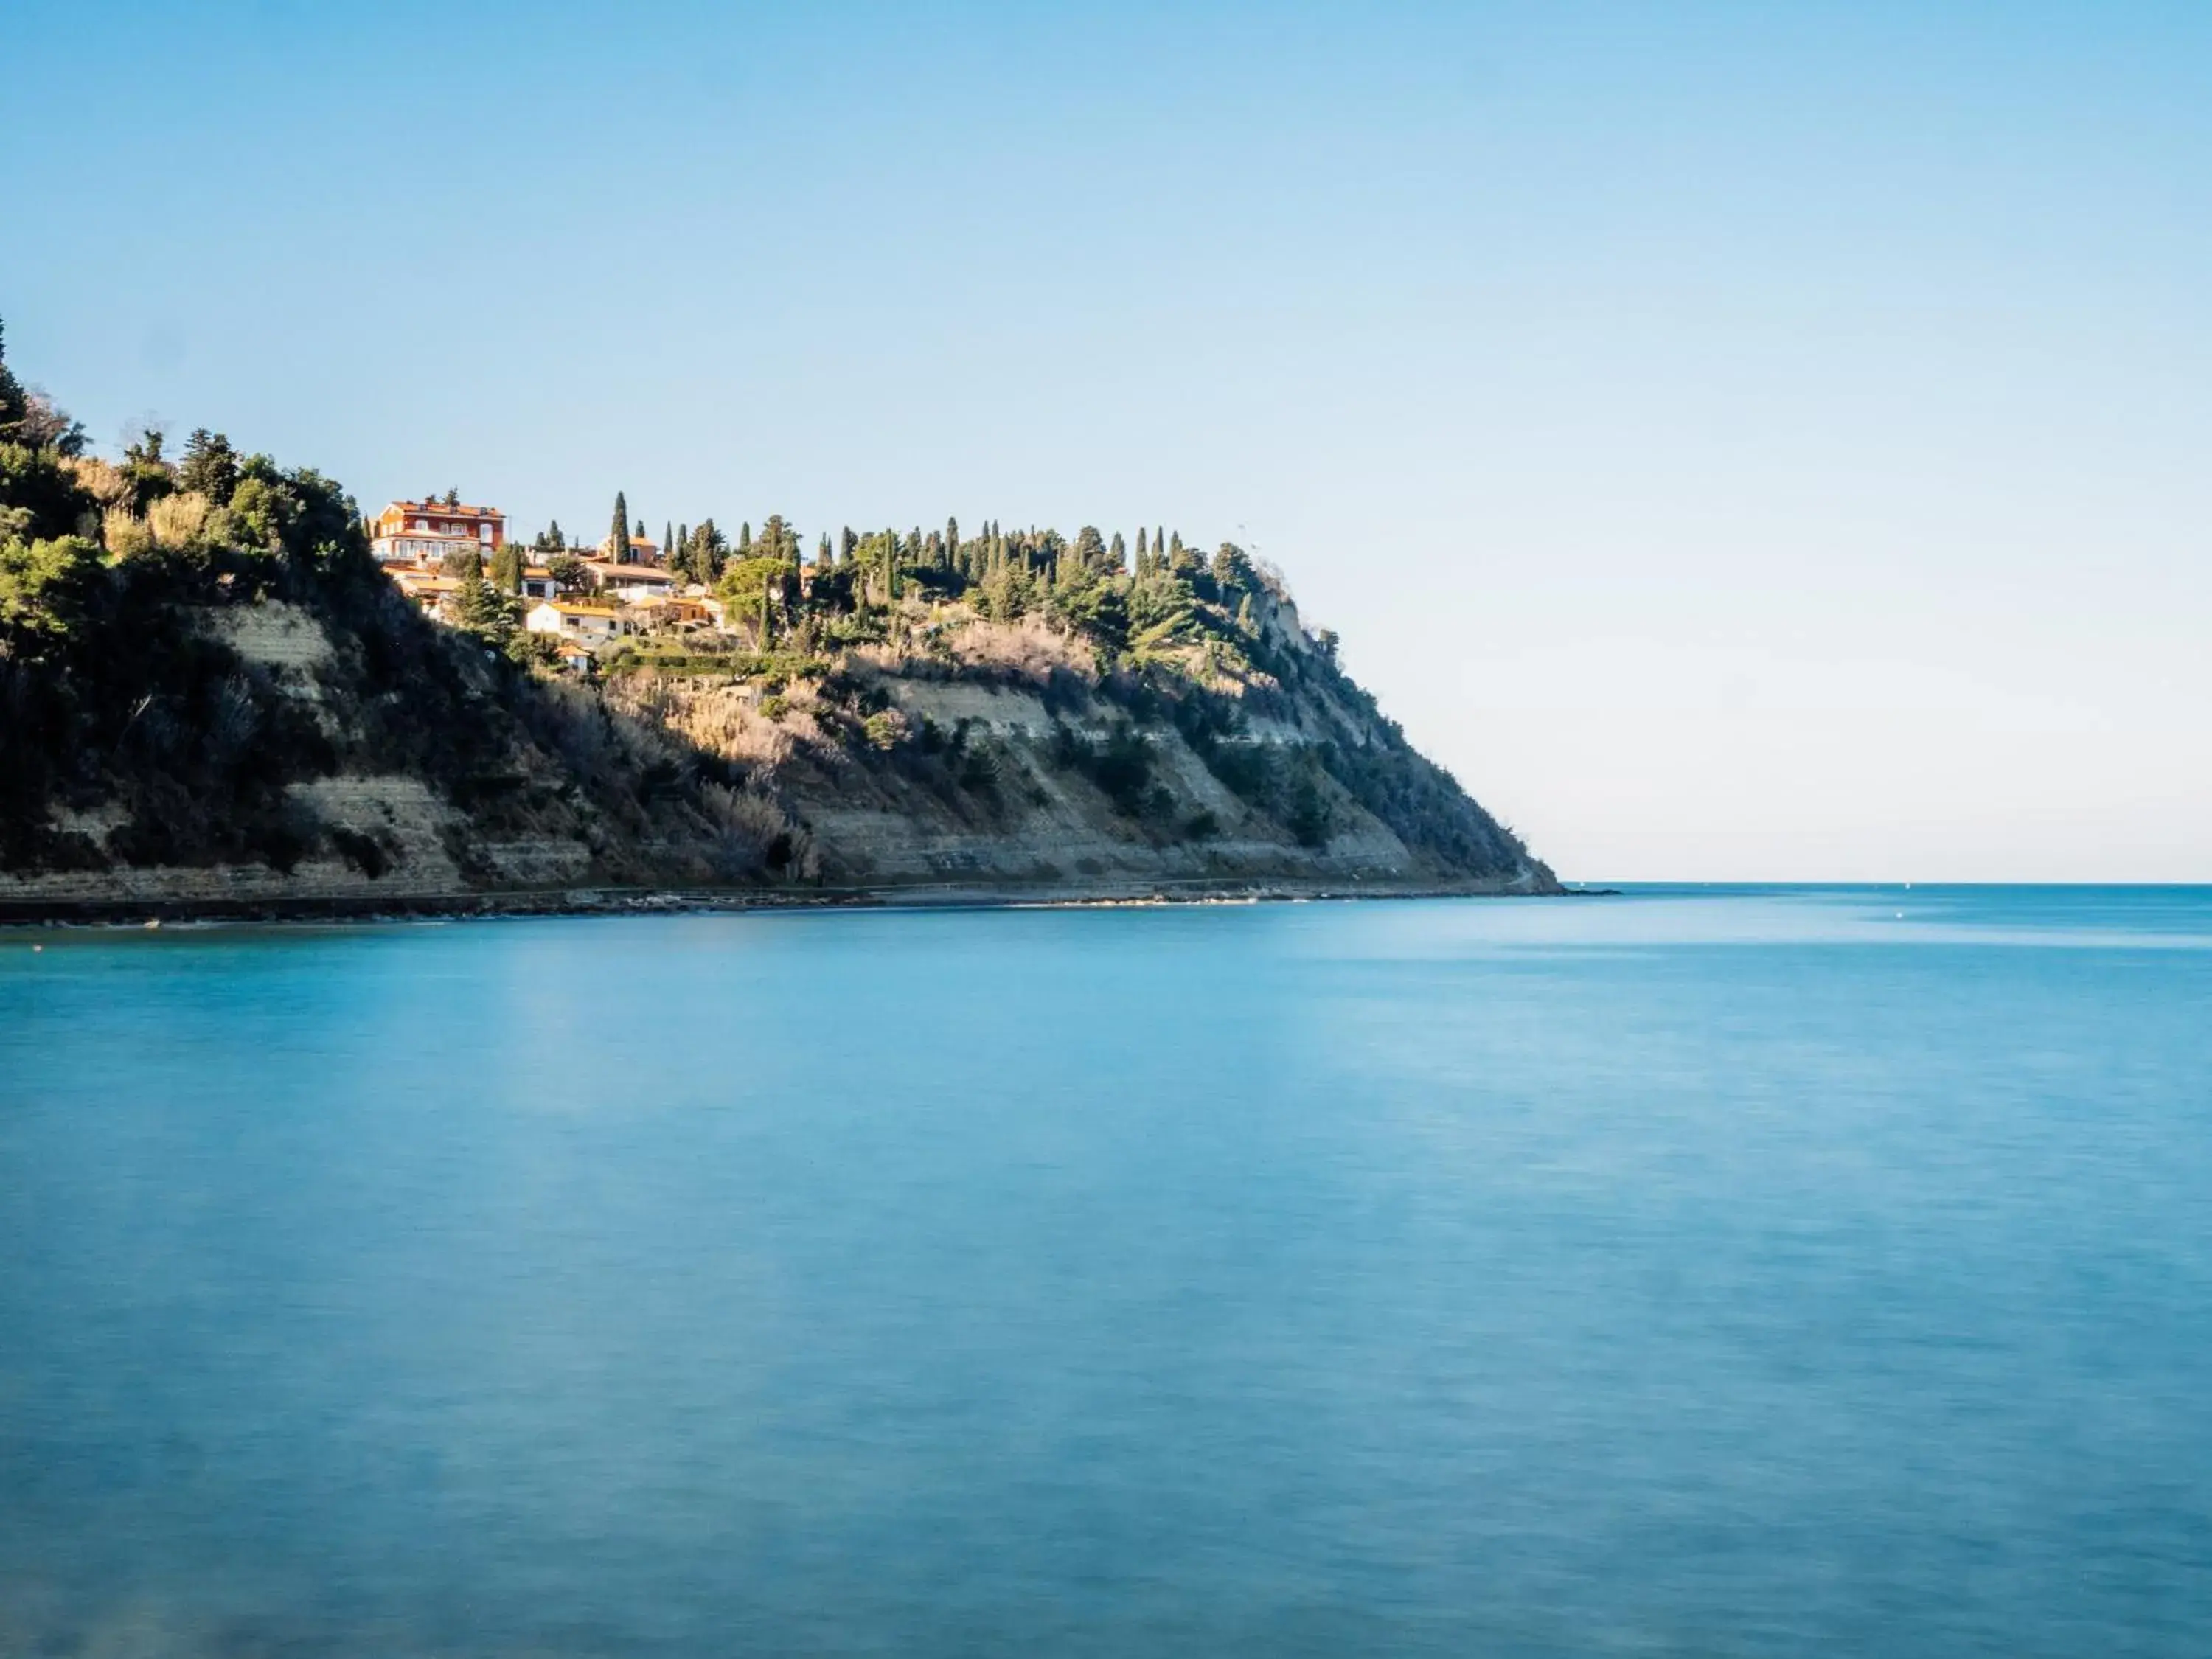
{"x": 453, "y": 560}
{"x": 630, "y": 599}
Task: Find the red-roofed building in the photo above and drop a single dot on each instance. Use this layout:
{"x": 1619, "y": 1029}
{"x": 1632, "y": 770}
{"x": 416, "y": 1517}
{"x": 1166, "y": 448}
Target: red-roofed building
{"x": 423, "y": 533}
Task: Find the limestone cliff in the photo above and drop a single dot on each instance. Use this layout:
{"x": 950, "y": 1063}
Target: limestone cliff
{"x": 1005, "y": 760}
{"x": 396, "y": 765}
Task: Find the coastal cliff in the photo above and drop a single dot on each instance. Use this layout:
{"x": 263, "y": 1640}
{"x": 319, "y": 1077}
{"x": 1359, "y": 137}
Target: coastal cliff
{"x": 212, "y": 701}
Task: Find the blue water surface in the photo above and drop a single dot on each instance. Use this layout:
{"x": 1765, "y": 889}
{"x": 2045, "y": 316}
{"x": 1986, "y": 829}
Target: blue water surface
{"x": 1699, "y": 1273}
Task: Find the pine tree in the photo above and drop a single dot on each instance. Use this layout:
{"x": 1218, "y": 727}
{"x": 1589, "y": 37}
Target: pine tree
{"x": 618, "y": 537}
{"x": 210, "y": 466}
{"x": 778, "y": 541}
{"x": 486, "y": 611}
{"x": 710, "y": 551}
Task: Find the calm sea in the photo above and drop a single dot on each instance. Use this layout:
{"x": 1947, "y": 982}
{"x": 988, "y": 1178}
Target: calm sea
{"x": 1771, "y": 1272}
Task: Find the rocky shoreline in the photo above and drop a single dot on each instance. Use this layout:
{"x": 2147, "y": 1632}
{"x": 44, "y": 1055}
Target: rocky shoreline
{"x": 127, "y": 911}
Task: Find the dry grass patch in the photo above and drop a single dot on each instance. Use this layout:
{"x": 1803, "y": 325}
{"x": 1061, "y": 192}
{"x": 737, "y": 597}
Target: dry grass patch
{"x": 176, "y": 520}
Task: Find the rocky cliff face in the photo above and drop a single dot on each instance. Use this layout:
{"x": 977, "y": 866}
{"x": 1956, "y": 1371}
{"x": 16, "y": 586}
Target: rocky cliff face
{"x": 268, "y": 755}
{"x": 386, "y": 763}
{"x": 1005, "y": 761}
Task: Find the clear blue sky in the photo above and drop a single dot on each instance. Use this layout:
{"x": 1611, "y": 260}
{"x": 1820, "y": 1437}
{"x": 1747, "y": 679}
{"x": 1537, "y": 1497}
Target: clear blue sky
{"x": 1742, "y": 441}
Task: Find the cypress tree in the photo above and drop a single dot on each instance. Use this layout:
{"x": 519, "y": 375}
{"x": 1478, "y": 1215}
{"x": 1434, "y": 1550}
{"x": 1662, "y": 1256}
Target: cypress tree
{"x": 618, "y": 537}
{"x": 667, "y": 542}
{"x": 507, "y": 567}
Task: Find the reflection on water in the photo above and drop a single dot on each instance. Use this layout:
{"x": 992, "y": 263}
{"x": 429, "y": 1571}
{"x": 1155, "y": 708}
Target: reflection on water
{"x": 1762, "y": 1272}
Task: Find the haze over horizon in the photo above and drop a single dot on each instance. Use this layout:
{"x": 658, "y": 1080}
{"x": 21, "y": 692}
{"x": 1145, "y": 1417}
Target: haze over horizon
{"x": 1740, "y": 446}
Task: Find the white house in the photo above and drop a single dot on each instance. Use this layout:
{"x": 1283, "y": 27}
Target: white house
{"x": 630, "y": 581}
{"x": 588, "y": 623}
